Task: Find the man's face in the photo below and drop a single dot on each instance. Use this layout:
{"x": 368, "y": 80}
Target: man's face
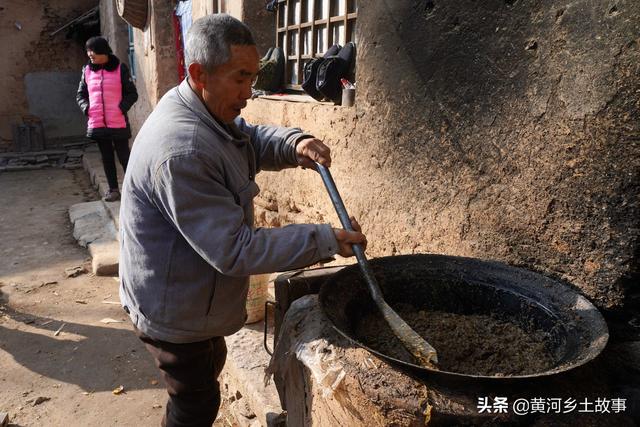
{"x": 226, "y": 90}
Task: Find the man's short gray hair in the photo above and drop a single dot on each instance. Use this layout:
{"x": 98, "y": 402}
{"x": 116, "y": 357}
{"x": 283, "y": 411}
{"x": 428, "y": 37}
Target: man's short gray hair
{"x": 210, "y": 38}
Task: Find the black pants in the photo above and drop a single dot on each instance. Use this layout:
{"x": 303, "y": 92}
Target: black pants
{"x": 190, "y": 372}
{"x": 107, "y": 147}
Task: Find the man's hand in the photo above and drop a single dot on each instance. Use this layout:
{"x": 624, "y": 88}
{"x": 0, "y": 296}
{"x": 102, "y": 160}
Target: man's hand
{"x": 310, "y": 150}
{"x": 347, "y": 238}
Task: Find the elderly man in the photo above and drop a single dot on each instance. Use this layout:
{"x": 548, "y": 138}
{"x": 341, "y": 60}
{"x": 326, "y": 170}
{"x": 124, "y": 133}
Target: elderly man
{"x": 187, "y": 241}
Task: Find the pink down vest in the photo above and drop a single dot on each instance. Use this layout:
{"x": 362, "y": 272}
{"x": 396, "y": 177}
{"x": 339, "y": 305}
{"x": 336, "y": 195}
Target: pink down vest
{"x": 105, "y": 94}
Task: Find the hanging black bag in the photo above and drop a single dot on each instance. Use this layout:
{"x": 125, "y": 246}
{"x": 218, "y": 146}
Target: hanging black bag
{"x": 334, "y": 68}
{"x": 310, "y": 73}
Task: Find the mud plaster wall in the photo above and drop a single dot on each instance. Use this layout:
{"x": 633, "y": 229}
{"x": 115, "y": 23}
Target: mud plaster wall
{"x": 506, "y": 130}
{"x": 115, "y": 30}
{"x": 31, "y": 49}
{"x": 203, "y": 7}
{"x": 154, "y": 47}
{"x": 251, "y": 12}
{"x": 256, "y": 16}
{"x": 155, "y": 61}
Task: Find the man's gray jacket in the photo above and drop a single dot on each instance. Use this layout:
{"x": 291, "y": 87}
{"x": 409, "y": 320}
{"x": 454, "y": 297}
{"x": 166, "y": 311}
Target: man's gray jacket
{"x": 187, "y": 240}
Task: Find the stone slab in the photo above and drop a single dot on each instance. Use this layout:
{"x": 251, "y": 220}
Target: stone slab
{"x": 12, "y": 154}
{"x": 104, "y": 256}
{"x": 16, "y": 168}
{"x": 244, "y": 372}
{"x": 96, "y": 223}
{"x": 113, "y": 209}
{"x": 82, "y": 209}
{"x": 75, "y": 152}
{"x": 91, "y": 222}
{"x": 89, "y": 229}
{"x": 94, "y": 228}
{"x": 72, "y": 166}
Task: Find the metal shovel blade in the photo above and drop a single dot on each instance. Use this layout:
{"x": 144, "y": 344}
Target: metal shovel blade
{"x": 424, "y": 352}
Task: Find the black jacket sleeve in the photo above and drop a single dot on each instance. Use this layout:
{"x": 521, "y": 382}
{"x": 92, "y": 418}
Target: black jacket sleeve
{"x": 129, "y": 92}
{"x": 82, "y": 96}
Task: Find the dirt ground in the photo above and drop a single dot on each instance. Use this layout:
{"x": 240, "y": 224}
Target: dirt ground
{"x": 64, "y": 379}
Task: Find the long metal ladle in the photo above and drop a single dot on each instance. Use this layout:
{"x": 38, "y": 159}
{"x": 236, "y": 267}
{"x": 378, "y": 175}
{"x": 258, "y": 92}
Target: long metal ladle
{"x": 424, "y": 352}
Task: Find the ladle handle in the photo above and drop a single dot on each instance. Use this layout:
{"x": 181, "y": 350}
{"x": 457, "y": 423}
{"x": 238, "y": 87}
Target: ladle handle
{"x": 338, "y": 204}
{"x": 421, "y": 350}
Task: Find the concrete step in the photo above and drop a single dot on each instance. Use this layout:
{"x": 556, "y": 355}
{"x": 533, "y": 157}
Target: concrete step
{"x": 92, "y": 163}
{"x": 94, "y": 229}
{"x": 253, "y": 403}
{"x": 104, "y": 257}
{"x": 95, "y": 224}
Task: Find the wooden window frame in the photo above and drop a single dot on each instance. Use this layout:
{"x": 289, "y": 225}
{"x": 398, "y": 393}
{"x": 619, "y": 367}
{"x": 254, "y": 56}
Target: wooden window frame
{"x": 283, "y": 33}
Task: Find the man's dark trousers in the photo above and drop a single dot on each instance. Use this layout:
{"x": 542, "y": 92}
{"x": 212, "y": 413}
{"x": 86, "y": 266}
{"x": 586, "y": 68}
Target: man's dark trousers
{"x": 190, "y": 372}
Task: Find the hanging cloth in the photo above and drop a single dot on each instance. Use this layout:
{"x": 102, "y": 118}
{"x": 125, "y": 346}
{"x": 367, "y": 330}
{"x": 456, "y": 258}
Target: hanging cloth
{"x": 182, "y": 22}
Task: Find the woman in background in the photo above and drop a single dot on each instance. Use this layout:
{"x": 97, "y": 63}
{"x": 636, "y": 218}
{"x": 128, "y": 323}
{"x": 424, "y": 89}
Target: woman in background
{"x": 105, "y": 94}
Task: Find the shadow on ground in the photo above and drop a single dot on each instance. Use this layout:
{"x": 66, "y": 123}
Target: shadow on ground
{"x": 95, "y": 358}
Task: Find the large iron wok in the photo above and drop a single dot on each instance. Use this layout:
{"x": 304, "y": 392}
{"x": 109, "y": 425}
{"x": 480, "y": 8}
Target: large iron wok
{"x": 576, "y": 331}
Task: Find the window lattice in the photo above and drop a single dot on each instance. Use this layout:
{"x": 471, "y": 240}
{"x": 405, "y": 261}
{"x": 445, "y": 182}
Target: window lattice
{"x": 307, "y": 28}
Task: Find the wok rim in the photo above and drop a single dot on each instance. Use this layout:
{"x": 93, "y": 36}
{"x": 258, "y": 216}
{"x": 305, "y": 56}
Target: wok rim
{"x": 589, "y": 353}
